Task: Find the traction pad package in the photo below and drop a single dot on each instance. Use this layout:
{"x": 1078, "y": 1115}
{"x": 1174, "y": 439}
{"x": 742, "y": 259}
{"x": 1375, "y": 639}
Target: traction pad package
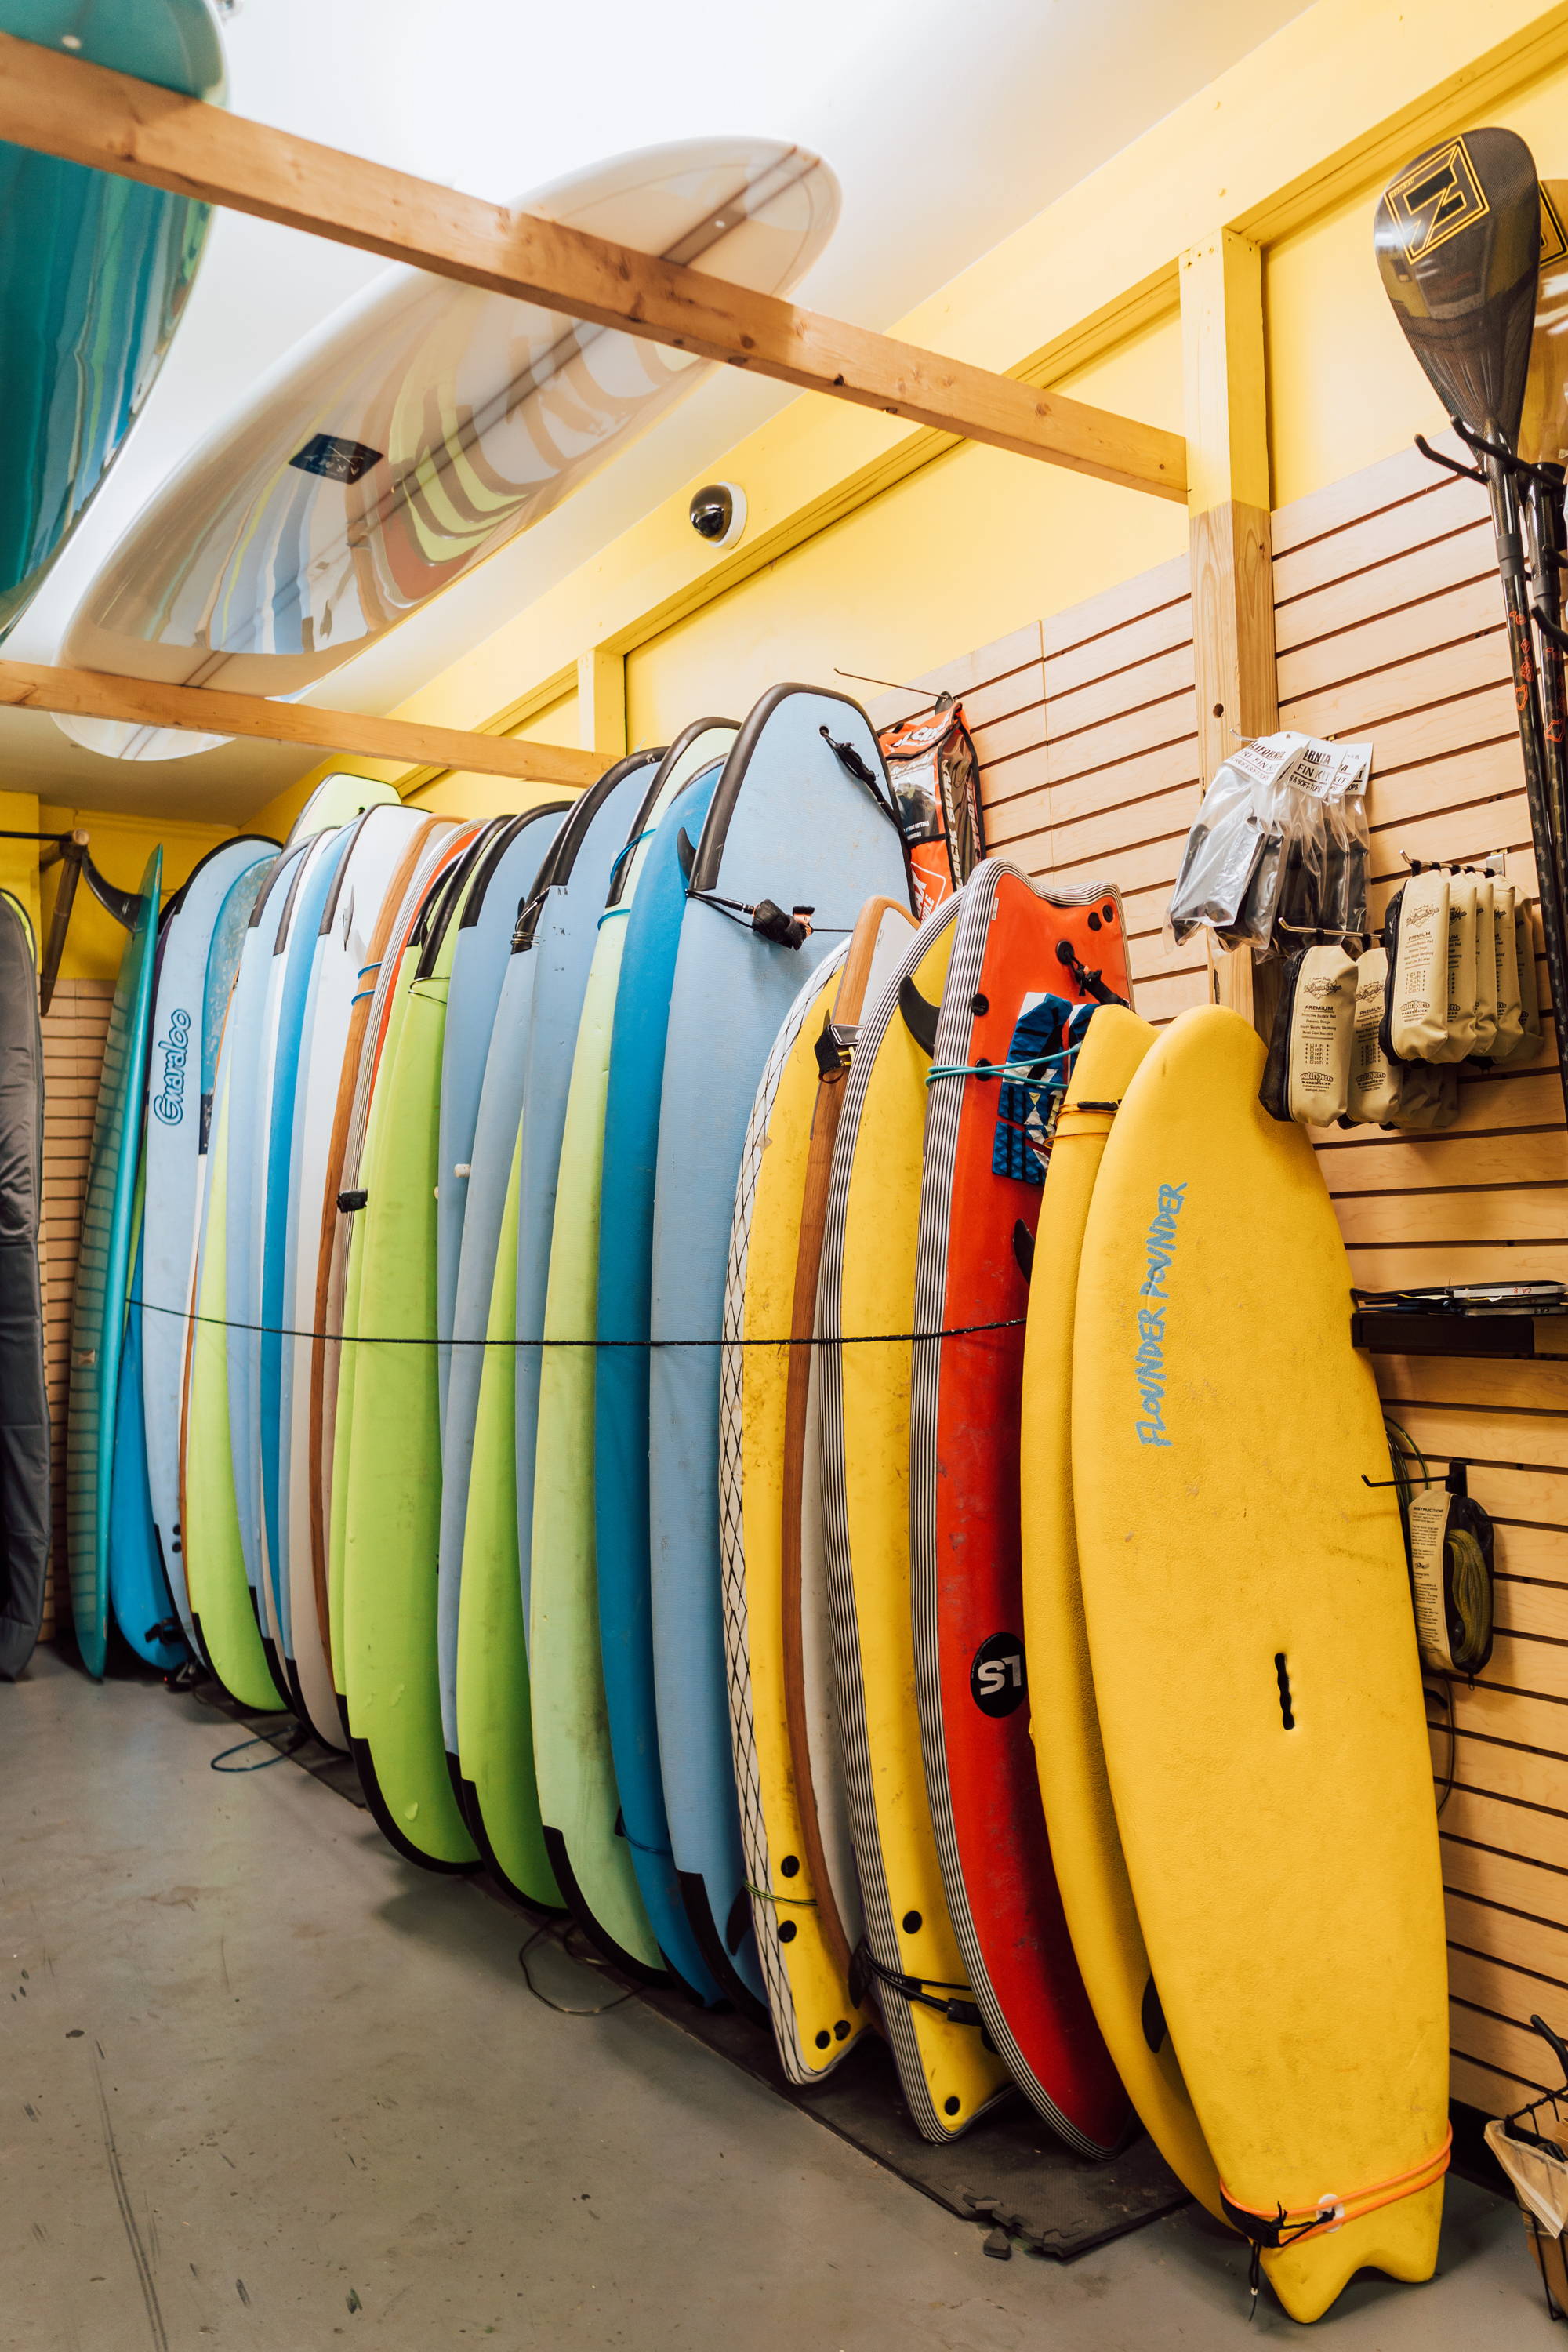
{"x": 1311, "y": 1051}
{"x": 1373, "y": 1095}
{"x": 935, "y": 777}
{"x": 1280, "y": 840}
{"x": 1416, "y": 937}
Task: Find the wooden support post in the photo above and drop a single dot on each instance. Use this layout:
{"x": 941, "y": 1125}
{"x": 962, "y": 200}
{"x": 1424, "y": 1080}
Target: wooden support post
{"x": 1226, "y": 418}
{"x": 60, "y": 105}
{"x": 602, "y": 702}
{"x": 210, "y": 710}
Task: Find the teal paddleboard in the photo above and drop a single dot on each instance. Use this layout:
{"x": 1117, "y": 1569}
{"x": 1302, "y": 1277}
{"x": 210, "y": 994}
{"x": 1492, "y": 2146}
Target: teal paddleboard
{"x": 95, "y": 271}
{"x": 104, "y": 1265}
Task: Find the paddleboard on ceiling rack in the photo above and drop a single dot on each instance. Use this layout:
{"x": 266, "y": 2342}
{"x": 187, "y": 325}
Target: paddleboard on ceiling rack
{"x": 95, "y": 273}
{"x": 417, "y": 431}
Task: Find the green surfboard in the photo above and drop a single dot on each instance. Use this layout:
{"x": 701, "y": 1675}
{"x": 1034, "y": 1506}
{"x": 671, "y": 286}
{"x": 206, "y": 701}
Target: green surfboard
{"x": 391, "y": 1496}
{"x": 221, "y": 1603}
{"x": 495, "y": 1720}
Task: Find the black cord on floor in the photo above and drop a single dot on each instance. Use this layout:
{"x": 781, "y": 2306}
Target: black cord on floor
{"x": 278, "y": 1755}
{"x": 585, "y": 1959}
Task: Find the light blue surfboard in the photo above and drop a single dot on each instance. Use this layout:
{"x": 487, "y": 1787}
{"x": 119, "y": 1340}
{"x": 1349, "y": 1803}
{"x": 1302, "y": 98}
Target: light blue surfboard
{"x": 94, "y": 276}
{"x": 104, "y": 1265}
{"x": 504, "y": 875}
{"x": 198, "y": 952}
{"x": 246, "y": 1080}
{"x": 790, "y": 821}
{"x": 558, "y": 928}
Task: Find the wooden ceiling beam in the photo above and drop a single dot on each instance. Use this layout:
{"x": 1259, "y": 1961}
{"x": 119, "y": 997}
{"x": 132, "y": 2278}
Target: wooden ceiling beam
{"x": 208, "y": 710}
{"x": 60, "y": 105}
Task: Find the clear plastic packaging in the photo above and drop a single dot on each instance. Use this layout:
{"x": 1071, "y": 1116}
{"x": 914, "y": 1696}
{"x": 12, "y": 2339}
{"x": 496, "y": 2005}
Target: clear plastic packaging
{"x": 1278, "y": 852}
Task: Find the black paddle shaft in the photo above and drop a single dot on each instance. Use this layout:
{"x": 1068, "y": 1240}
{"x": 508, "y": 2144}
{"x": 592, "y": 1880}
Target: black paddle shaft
{"x": 1458, "y": 238}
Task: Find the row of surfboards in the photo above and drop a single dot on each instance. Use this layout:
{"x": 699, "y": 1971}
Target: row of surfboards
{"x": 747, "y": 1362}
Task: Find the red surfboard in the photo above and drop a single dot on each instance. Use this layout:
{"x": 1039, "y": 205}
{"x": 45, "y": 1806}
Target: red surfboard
{"x": 1026, "y": 971}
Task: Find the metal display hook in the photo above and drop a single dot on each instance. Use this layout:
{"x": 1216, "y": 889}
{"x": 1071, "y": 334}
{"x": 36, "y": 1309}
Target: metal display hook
{"x": 71, "y": 850}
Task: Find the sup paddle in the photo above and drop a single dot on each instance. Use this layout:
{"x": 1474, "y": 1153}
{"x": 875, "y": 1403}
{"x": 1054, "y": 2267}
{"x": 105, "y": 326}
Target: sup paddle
{"x": 1458, "y": 238}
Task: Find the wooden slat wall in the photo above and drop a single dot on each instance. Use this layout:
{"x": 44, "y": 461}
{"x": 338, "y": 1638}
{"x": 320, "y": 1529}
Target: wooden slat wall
{"x": 1390, "y": 626}
{"x": 74, "y": 1032}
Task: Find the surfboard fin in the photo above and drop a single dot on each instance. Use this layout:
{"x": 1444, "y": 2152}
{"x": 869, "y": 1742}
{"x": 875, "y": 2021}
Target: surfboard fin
{"x": 919, "y": 1016}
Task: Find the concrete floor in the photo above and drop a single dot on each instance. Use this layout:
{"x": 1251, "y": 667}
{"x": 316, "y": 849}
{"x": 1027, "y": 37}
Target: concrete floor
{"x": 264, "y": 2085}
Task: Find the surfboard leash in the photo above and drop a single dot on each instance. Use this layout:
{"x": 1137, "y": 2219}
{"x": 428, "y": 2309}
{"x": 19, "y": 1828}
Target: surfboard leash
{"x": 865, "y": 1969}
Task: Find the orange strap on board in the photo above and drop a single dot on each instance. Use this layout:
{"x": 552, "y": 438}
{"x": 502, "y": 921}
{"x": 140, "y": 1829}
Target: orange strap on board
{"x": 1293, "y": 2225}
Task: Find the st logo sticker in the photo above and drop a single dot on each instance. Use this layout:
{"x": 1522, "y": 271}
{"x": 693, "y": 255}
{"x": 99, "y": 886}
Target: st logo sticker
{"x": 996, "y": 1679}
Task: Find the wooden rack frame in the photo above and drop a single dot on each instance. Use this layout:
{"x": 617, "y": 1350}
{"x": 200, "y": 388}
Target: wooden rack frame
{"x": 60, "y": 105}
{"x": 208, "y": 710}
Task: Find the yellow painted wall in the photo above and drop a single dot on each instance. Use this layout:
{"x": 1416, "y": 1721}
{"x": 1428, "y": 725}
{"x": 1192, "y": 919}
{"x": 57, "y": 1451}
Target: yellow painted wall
{"x": 968, "y": 548}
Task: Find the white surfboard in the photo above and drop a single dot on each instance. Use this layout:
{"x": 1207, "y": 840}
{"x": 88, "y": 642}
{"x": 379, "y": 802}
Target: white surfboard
{"x": 382, "y": 839}
{"x": 422, "y": 427}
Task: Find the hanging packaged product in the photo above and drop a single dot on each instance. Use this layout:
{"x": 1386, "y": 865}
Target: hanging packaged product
{"x": 935, "y": 777}
{"x": 1509, "y": 1012}
{"x": 1279, "y": 840}
{"x": 1373, "y": 1094}
{"x": 1415, "y": 938}
{"x": 1427, "y": 1098}
{"x": 1486, "y": 970}
{"x": 1466, "y": 940}
{"x": 1308, "y": 1074}
{"x": 1343, "y": 913}
{"x": 1451, "y": 1550}
{"x": 1529, "y": 1044}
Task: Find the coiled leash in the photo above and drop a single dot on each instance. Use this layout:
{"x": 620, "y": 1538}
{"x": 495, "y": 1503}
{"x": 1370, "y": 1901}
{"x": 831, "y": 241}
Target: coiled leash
{"x": 865, "y": 1969}
{"x": 1293, "y": 2225}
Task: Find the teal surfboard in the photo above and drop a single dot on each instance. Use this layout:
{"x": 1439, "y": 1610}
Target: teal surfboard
{"x": 98, "y": 1319}
{"x": 95, "y": 272}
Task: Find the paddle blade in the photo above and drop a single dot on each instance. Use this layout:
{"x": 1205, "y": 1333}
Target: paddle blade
{"x": 1543, "y": 428}
{"x": 1457, "y": 237}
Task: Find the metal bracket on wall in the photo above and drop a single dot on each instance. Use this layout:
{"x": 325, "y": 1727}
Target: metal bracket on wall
{"x": 71, "y": 850}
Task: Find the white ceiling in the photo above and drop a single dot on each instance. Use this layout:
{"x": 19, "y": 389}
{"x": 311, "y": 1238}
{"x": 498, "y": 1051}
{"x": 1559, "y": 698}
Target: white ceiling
{"x": 948, "y": 125}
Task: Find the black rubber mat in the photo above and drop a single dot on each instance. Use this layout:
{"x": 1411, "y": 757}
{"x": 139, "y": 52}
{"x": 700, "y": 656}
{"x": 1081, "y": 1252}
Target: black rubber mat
{"x": 1007, "y": 2175}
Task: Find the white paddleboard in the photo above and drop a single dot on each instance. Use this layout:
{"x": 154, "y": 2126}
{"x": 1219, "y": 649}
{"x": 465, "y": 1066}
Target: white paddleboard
{"x": 422, "y": 427}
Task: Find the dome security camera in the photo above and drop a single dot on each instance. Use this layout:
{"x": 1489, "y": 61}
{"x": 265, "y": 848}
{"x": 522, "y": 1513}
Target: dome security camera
{"x": 718, "y": 513}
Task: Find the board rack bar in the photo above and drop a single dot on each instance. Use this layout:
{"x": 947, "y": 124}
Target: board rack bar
{"x": 209, "y": 710}
{"x": 61, "y": 105}
{"x": 1446, "y": 1335}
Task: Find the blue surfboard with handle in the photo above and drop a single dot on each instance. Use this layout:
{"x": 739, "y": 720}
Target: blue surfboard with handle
{"x": 621, "y": 1374}
{"x": 803, "y": 816}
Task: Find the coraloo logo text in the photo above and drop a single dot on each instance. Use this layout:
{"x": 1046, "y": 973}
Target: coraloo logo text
{"x": 170, "y": 1105}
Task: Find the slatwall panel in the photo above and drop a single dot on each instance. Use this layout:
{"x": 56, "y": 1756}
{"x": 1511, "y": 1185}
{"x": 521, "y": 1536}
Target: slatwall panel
{"x": 74, "y": 1030}
{"x": 1389, "y": 623}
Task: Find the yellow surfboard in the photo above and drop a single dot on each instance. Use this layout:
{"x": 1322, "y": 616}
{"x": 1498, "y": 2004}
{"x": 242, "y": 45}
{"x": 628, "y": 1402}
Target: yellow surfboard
{"x": 1256, "y": 1672}
{"x": 807, "y": 1913}
{"x": 1085, "y": 1844}
{"x": 948, "y": 2074}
